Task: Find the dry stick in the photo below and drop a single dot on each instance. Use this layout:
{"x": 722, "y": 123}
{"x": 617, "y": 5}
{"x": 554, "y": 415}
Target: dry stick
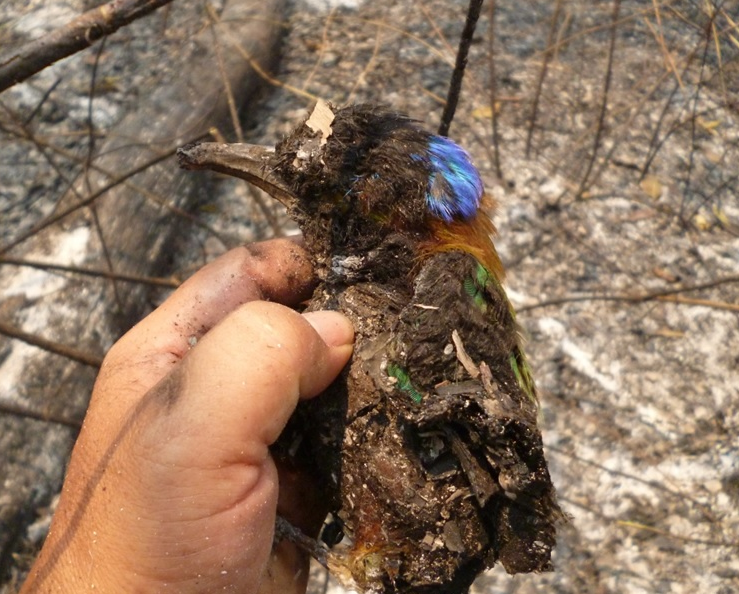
{"x": 693, "y": 140}
{"x": 655, "y": 142}
{"x": 42, "y": 143}
{"x": 433, "y": 50}
{"x": 455, "y": 86}
{"x": 548, "y": 53}
{"x": 659, "y": 37}
{"x": 53, "y": 164}
{"x": 668, "y": 534}
{"x": 437, "y": 31}
{"x": 704, "y": 508}
{"x": 12, "y": 408}
{"x": 40, "y": 104}
{"x": 635, "y": 111}
{"x": 582, "y": 137}
{"x": 109, "y": 274}
{"x": 719, "y": 58}
{"x": 616, "y": 144}
{"x": 155, "y": 281}
{"x": 559, "y": 44}
{"x": 232, "y": 109}
{"x": 19, "y": 64}
{"x": 661, "y": 295}
{"x": 265, "y": 76}
{"x": 701, "y": 506}
{"x": 704, "y": 302}
{"x": 494, "y": 91}
{"x": 597, "y": 28}
{"x": 448, "y": 50}
{"x": 604, "y": 104}
{"x": 88, "y": 200}
{"x": 614, "y": 265}
{"x": 51, "y": 346}
{"x": 321, "y": 49}
{"x": 368, "y": 66}
{"x": 88, "y": 186}
{"x": 272, "y": 221}
{"x": 421, "y": 89}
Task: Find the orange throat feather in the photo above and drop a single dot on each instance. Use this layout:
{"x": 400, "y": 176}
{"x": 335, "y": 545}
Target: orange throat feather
{"x": 473, "y": 237}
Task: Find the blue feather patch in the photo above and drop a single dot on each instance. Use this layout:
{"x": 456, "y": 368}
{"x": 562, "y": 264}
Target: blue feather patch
{"x": 455, "y": 187}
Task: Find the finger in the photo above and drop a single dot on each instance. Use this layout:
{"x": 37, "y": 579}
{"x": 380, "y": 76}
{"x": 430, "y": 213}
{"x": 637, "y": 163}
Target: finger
{"x": 246, "y": 375}
{"x": 277, "y": 270}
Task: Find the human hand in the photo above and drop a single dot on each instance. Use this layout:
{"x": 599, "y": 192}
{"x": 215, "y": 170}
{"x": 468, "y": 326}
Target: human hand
{"x": 171, "y": 486}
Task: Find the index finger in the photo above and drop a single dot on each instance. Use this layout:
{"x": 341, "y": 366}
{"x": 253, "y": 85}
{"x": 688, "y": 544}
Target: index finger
{"x": 276, "y": 270}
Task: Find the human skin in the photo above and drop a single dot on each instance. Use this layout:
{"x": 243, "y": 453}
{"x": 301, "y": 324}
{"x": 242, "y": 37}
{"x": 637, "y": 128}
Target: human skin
{"x": 171, "y": 486}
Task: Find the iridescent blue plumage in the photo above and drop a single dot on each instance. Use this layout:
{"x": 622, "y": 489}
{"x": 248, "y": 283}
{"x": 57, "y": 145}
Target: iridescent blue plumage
{"x": 455, "y": 187}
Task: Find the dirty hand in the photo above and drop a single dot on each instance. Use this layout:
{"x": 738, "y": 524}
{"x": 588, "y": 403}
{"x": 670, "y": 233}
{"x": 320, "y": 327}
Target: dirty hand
{"x": 171, "y": 486}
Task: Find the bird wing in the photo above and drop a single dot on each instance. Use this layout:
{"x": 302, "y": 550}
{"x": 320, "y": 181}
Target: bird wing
{"x": 459, "y": 369}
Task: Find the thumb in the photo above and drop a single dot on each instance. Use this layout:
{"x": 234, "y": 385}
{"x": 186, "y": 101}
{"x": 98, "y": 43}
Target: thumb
{"x": 249, "y": 372}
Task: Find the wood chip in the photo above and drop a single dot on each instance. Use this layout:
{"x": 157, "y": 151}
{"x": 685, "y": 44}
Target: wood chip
{"x": 463, "y": 357}
{"x": 320, "y": 120}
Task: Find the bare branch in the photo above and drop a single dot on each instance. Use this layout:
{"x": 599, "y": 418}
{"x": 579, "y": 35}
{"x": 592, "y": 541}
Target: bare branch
{"x": 455, "y": 86}
{"x": 494, "y": 92}
{"x": 169, "y": 283}
{"x": 13, "y": 408}
{"x": 87, "y": 201}
{"x": 604, "y": 103}
{"x": 548, "y": 53}
{"x": 51, "y": 346}
{"x": 661, "y": 295}
{"x": 19, "y": 64}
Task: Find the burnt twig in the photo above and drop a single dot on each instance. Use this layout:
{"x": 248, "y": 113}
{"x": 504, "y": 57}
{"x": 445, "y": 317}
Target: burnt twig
{"x": 660, "y": 295}
{"x": 19, "y": 64}
{"x": 494, "y": 92}
{"x": 51, "y": 346}
{"x": 604, "y": 103}
{"x": 548, "y": 53}
{"x": 455, "y": 86}
{"x": 169, "y": 283}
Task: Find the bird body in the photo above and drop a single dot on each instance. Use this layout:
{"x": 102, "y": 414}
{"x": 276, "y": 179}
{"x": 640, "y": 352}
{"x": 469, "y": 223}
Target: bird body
{"x": 427, "y": 446}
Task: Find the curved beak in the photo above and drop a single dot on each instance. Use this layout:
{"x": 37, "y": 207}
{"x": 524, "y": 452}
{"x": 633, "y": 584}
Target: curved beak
{"x": 249, "y": 162}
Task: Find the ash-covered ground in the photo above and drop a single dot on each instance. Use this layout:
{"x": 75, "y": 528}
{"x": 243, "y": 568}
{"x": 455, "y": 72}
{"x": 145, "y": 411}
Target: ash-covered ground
{"x": 618, "y": 222}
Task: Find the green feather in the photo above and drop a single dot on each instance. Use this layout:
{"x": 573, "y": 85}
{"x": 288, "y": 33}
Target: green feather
{"x": 522, "y": 371}
{"x": 470, "y": 287}
{"x": 479, "y": 288}
{"x": 475, "y": 287}
{"x": 404, "y": 381}
{"x": 483, "y": 276}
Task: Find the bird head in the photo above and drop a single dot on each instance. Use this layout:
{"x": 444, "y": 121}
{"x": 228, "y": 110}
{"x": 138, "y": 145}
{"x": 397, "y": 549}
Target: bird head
{"x": 353, "y": 176}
